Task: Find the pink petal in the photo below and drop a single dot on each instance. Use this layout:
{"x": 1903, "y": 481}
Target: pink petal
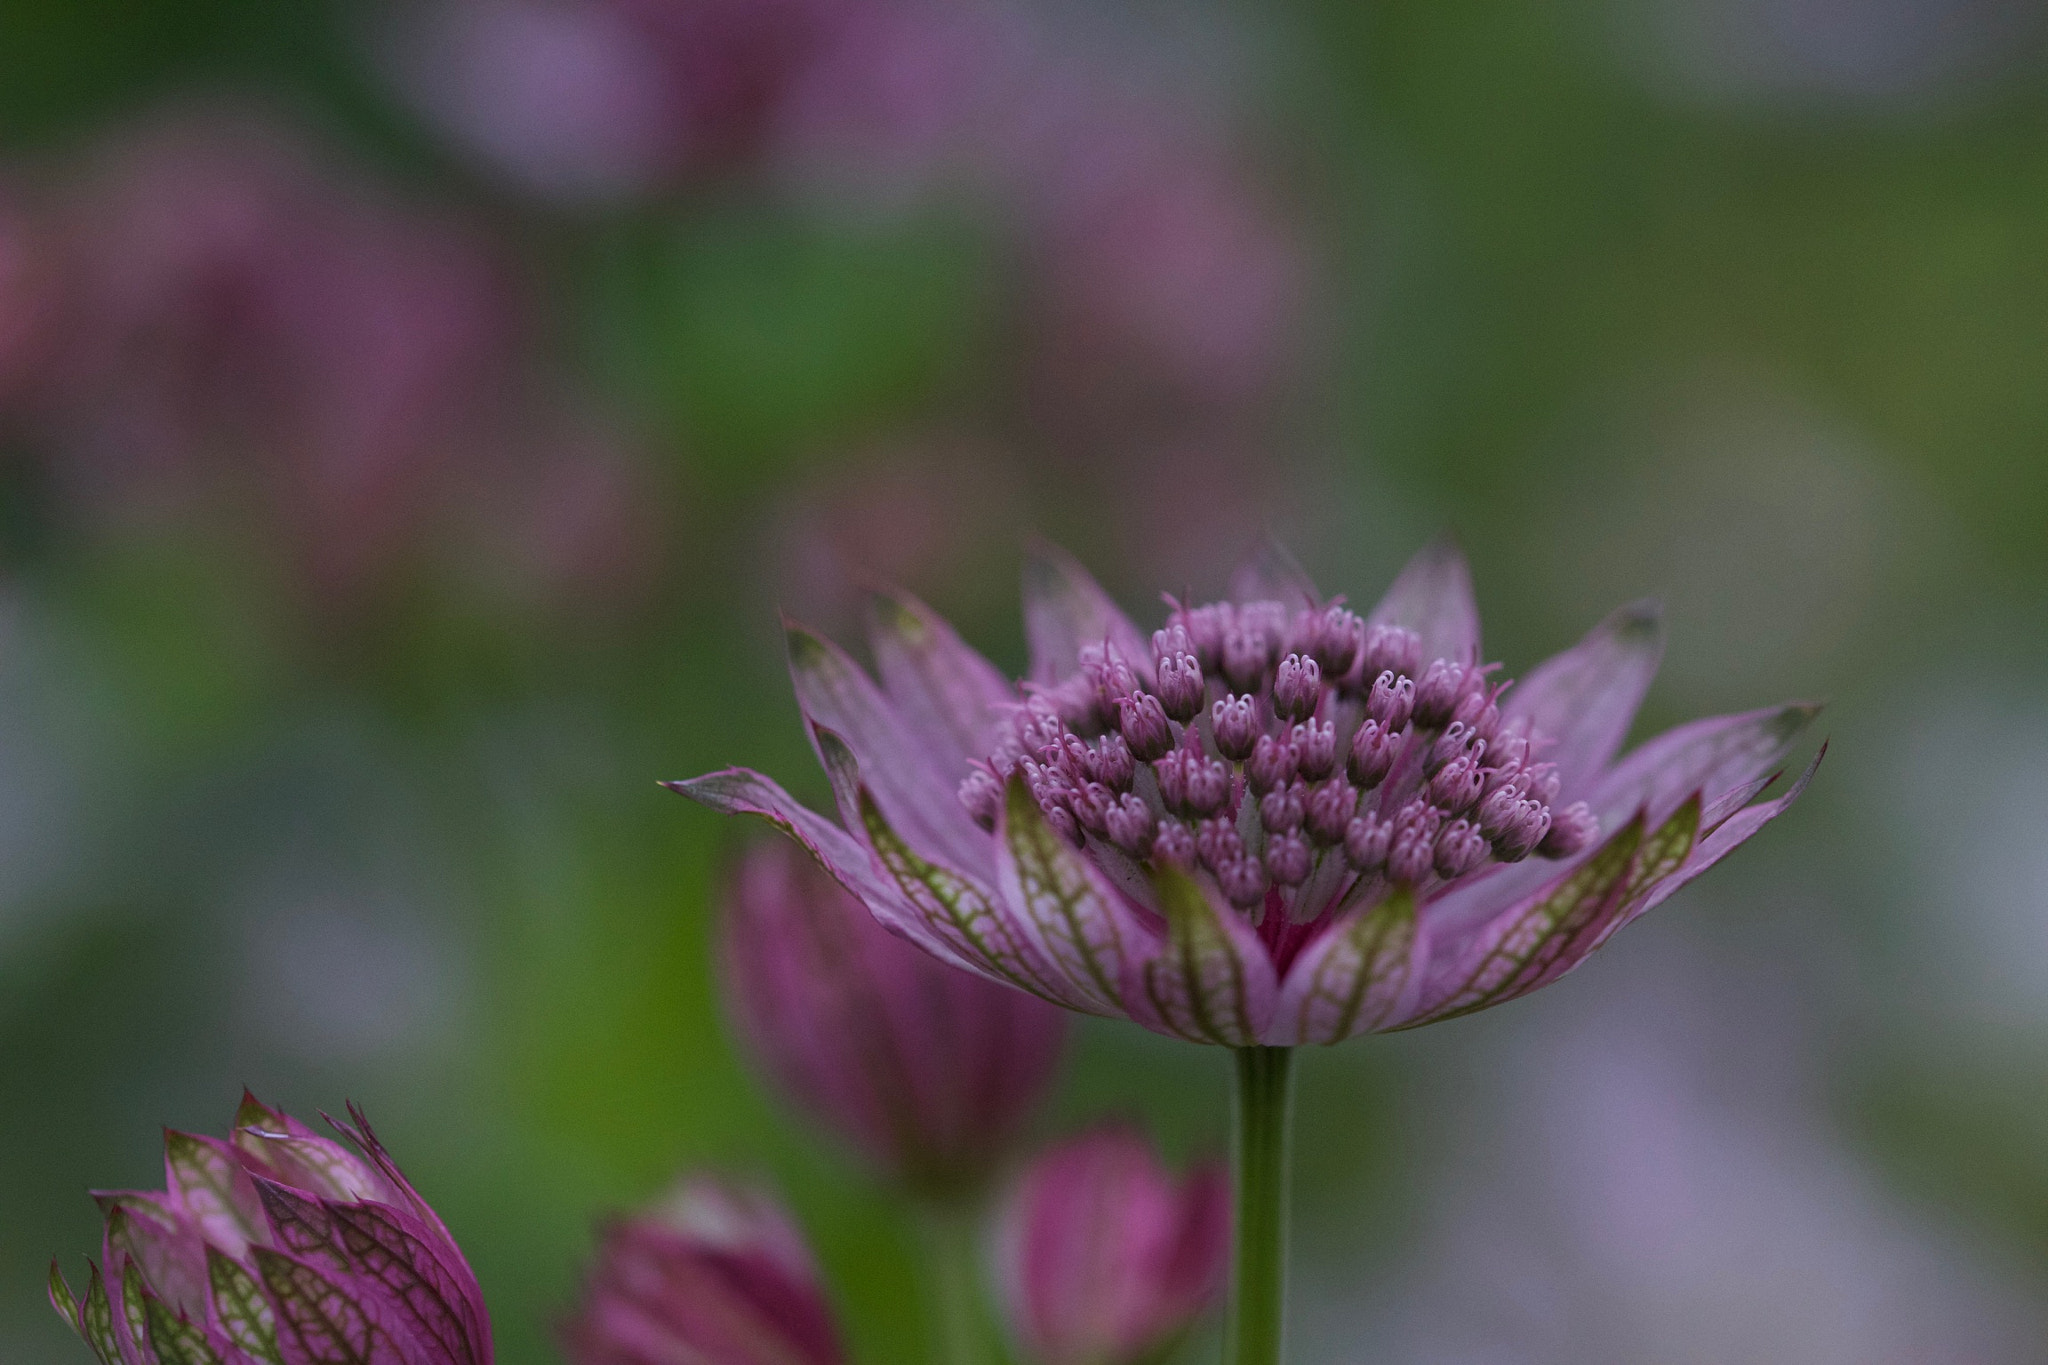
{"x": 1362, "y": 971}
{"x": 1081, "y": 924}
{"x": 1585, "y": 698}
{"x": 1433, "y": 598}
{"x": 1711, "y": 756}
{"x": 1209, "y": 980}
{"x": 949, "y": 695}
{"x": 1065, "y": 610}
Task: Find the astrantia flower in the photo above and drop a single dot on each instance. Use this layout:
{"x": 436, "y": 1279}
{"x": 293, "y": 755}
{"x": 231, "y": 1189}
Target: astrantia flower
{"x": 1274, "y": 821}
{"x": 277, "y": 1247}
{"x": 713, "y": 1275}
{"x": 929, "y": 1071}
{"x": 1103, "y": 1257}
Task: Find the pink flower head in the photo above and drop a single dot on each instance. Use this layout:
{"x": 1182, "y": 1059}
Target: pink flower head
{"x": 713, "y": 1275}
{"x": 929, "y": 1072}
{"x": 1452, "y": 843}
{"x": 1102, "y": 1258}
{"x": 277, "y": 1246}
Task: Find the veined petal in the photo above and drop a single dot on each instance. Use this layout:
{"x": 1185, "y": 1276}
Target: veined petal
{"x": 96, "y": 1319}
{"x": 1210, "y": 979}
{"x": 922, "y": 799}
{"x": 396, "y": 1260}
{"x": 1709, "y": 756}
{"x": 177, "y": 1340}
{"x": 943, "y": 690}
{"x": 1506, "y": 955}
{"x": 1078, "y": 920}
{"x": 1271, "y": 574}
{"x": 1433, "y": 598}
{"x": 1585, "y": 698}
{"x": 244, "y": 1315}
{"x": 1066, "y": 610}
{"x": 1361, "y": 972}
{"x": 214, "y": 1190}
{"x": 318, "y": 1322}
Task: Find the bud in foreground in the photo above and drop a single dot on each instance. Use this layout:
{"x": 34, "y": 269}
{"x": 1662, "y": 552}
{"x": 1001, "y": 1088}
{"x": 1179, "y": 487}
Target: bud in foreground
{"x": 712, "y": 1275}
{"x": 277, "y": 1246}
{"x": 1102, "y": 1258}
{"x": 928, "y": 1071}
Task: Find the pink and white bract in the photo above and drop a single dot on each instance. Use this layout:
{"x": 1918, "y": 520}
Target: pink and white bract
{"x": 1275, "y": 821}
{"x": 713, "y": 1275}
{"x": 279, "y": 1246}
{"x": 930, "y": 1072}
{"x": 1102, "y": 1257}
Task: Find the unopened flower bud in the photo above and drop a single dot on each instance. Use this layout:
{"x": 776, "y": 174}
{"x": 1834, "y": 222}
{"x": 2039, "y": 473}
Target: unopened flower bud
{"x": 1208, "y": 785}
{"x": 1243, "y": 882}
{"x": 1283, "y": 808}
{"x": 1063, "y": 823}
{"x": 1392, "y": 649}
{"x": 1074, "y": 759}
{"x": 1090, "y": 804}
{"x": 1143, "y": 724}
{"x": 1174, "y": 846}
{"x": 1297, "y": 688}
{"x": 1181, "y": 686}
{"x": 1206, "y": 626}
{"x": 1246, "y": 656}
{"x": 1457, "y": 786}
{"x": 1330, "y": 807}
{"x": 1289, "y": 858}
{"x": 1169, "y": 640}
{"x": 1436, "y": 696}
{"x": 1271, "y": 764}
{"x": 1130, "y": 825}
{"x": 983, "y": 796}
{"x": 1234, "y": 721}
{"x": 1339, "y": 641}
{"x": 1037, "y": 724}
{"x": 1391, "y": 701}
{"x": 1457, "y": 741}
{"x": 1459, "y": 849}
{"x": 1365, "y": 842}
{"x": 1114, "y": 767}
{"x": 1524, "y": 829}
{"x": 1111, "y": 675}
{"x": 1571, "y": 830}
{"x": 1540, "y": 780}
{"x": 1372, "y": 755}
{"x": 1315, "y": 748}
{"x": 1477, "y": 713}
{"x": 1217, "y": 842}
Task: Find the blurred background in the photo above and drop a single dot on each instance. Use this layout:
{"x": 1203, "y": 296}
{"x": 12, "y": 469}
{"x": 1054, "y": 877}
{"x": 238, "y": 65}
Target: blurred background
{"x": 411, "y": 417}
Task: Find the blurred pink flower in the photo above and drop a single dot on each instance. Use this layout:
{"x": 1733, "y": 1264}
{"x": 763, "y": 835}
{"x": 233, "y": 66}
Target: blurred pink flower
{"x": 929, "y": 1072}
{"x": 1277, "y": 822}
{"x": 1102, "y": 1258}
{"x": 712, "y": 1275}
{"x": 277, "y": 1245}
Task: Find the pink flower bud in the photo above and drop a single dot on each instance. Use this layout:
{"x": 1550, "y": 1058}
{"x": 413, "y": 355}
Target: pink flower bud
{"x": 1247, "y": 655}
{"x": 928, "y": 1071}
{"x": 1174, "y": 846}
{"x": 1571, "y": 831}
{"x": 1208, "y": 785}
{"x": 1289, "y": 858}
{"x": 1102, "y": 1258}
{"x": 1372, "y": 755}
{"x": 1284, "y": 808}
{"x": 1436, "y": 696}
{"x": 1297, "y": 688}
{"x": 1392, "y": 649}
{"x": 1142, "y": 722}
{"x": 1391, "y": 701}
{"x": 1234, "y": 721}
{"x": 1114, "y": 767}
{"x": 1459, "y": 849}
{"x": 1330, "y": 807}
{"x": 983, "y": 797}
{"x": 1243, "y": 881}
{"x": 1217, "y": 842}
{"x": 1339, "y": 641}
{"x": 1365, "y": 842}
{"x": 1315, "y": 749}
{"x": 1181, "y": 686}
{"x": 1271, "y": 765}
{"x": 1456, "y": 788}
{"x": 712, "y": 1275}
{"x": 1130, "y": 825}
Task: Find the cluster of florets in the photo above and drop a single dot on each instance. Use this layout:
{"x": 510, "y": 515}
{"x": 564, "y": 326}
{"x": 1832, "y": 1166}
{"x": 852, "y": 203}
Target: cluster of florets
{"x": 1288, "y": 752}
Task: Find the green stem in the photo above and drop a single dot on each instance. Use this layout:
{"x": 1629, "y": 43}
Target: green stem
{"x": 1258, "y": 1278}
{"x": 953, "y": 1261}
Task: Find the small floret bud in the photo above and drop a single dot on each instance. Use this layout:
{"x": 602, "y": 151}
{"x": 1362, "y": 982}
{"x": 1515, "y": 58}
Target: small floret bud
{"x": 1062, "y": 820}
{"x": 1459, "y": 849}
{"x": 1528, "y": 824}
{"x": 1269, "y": 619}
{"x": 1365, "y": 842}
{"x": 1174, "y": 846}
{"x": 1541, "y": 783}
{"x": 1297, "y": 688}
{"x": 1315, "y": 749}
{"x": 1436, "y": 696}
{"x": 1457, "y": 786}
{"x": 1571, "y": 830}
{"x": 1411, "y": 858}
{"x": 983, "y": 797}
{"x": 1271, "y": 764}
{"x": 1208, "y": 785}
{"x": 1206, "y": 626}
{"x": 1111, "y": 675}
{"x": 1283, "y": 808}
{"x": 1169, "y": 640}
{"x": 1477, "y": 713}
{"x": 1037, "y": 724}
{"x": 1076, "y": 702}
{"x": 1500, "y": 811}
{"x": 1391, "y": 701}
{"x": 1114, "y": 766}
{"x": 1339, "y": 641}
{"x": 1246, "y": 656}
{"x": 1234, "y": 721}
{"x": 1217, "y": 842}
{"x": 1130, "y": 825}
{"x": 1180, "y": 686}
{"x": 1243, "y": 882}
{"x": 1392, "y": 649}
{"x": 1372, "y": 755}
{"x": 1172, "y": 775}
{"x": 1142, "y": 722}
{"x": 1073, "y": 758}
{"x": 1455, "y": 742}
{"x": 1091, "y": 804}
{"x": 1330, "y": 807}
{"x": 1289, "y": 858}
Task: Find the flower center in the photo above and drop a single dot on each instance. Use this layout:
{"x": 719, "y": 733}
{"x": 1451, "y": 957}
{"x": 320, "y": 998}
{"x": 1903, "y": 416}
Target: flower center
{"x": 1298, "y": 753}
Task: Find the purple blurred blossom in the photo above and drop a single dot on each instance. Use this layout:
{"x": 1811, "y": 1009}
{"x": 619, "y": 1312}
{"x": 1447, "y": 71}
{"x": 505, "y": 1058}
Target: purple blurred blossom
{"x": 1102, "y": 1257}
{"x": 1218, "y": 954}
{"x": 277, "y": 1245}
{"x": 712, "y": 1275}
{"x": 929, "y": 1072}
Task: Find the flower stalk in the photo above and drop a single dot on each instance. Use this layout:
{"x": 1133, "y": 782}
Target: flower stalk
{"x": 1259, "y": 1170}
{"x": 952, "y": 1262}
